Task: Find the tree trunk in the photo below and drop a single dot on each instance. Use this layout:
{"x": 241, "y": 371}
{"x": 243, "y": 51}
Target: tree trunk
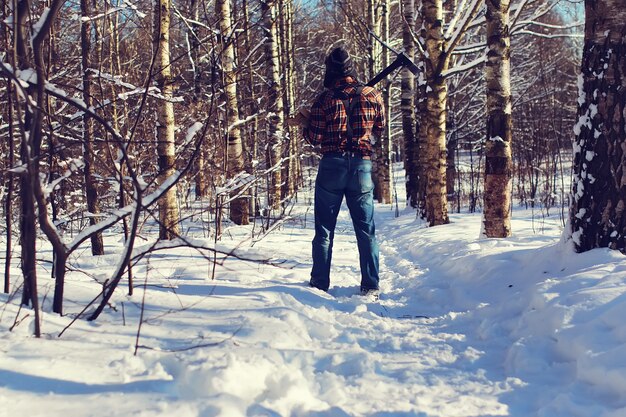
{"x": 168, "y": 210}
{"x": 407, "y": 105}
{"x": 437, "y": 91}
{"x": 28, "y": 231}
{"x": 419, "y": 151}
{"x": 275, "y": 102}
{"x": 383, "y": 161}
{"x": 9, "y": 160}
{"x": 234, "y": 154}
{"x": 291, "y": 164}
{"x": 91, "y": 193}
{"x": 201, "y": 174}
{"x": 598, "y": 215}
{"x": 498, "y": 163}
{"x": 252, "y": 142}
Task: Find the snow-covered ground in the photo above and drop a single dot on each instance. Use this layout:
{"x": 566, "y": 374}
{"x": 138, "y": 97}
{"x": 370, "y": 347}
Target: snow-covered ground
{"x": 464, "y": 327}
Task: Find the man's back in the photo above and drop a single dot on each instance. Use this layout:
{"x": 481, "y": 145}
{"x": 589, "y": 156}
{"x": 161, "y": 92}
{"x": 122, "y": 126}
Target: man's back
{"x": 328, "y": 121}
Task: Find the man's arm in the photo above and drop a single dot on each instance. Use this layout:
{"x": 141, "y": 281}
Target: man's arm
{"x": 380, "y": 119}
{"x": 316, "y": 129}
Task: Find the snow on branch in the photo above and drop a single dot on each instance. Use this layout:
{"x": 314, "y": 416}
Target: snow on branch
{"x": 114, "y": 10}
{"x": 550, "y": 26}
{"x": 470, "y": 48}
{"x": 549, "y": 35}
{"x": 133, "y": 89}
{"x": 461, "y": 68}
{"x": 244, "y": 121}
{"x": 119, "y": 214}
{"x": 461, "y": 27}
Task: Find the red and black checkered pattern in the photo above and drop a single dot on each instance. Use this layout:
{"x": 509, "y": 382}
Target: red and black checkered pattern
{"x": 328, "y": 122}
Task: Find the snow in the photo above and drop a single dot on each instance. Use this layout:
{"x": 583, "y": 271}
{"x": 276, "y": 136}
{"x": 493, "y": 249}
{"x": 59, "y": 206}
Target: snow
{"x": 580, "y": 83}
{"x": 27, "y": 75}
{"x": 42, "y": 20}
{"x": 515, "y": 327}
{"x": 191, "y": 132}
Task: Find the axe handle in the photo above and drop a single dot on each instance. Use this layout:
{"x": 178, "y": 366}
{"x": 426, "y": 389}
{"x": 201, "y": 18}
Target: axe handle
{"x": 394, "y": 65}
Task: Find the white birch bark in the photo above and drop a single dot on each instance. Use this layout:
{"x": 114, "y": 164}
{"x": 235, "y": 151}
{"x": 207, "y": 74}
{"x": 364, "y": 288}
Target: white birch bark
{"x": 435, "y": 123}
{"x": 275, "y": 117}
{"x": 234, "y": 153}
{"x": 168, "y": 210}
{"x": 407, "y": 104}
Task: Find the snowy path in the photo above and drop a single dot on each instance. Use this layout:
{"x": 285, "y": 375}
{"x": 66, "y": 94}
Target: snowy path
{"x": 502, "y": 337}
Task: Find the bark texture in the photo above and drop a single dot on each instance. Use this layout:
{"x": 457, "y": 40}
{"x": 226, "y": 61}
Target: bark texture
{"x": 407, "y": 104}
{"x": 234, "y": 159}
{"x": 435, "y": 123}
{"x": 292, "y": 162}
{"x": 498, "y": 163}
{"x": 597, "y": 215}
{"x": 168, "y": 210}
{"x": 91, "y": 193}
{"x": 383, "y": 158}
{"x": 275, "y": 102}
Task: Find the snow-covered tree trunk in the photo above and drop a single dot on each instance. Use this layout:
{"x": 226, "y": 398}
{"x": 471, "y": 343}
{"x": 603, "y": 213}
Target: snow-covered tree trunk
{"x": 275, "y": 101}
{"x": 407, "y": 104}
{"x": 498, "y": 163}
{"x": 291, "y": 162}
{"x": 383, "y": 161}
{"x": 91, "y": 193}
{"x": 234, "y": 165}
{"x": 168, "y": 210}
{"x": 435, "y": 149}
{"x": 598, "y": 215}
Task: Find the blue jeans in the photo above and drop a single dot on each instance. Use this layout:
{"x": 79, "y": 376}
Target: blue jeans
{"x": 350, "y": 176}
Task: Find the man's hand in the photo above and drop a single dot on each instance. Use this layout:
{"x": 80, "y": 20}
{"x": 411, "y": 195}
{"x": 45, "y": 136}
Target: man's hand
{"x": 300, "y": 119}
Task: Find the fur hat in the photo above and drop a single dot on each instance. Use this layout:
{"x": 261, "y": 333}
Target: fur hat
{"x": 338, "y": 65}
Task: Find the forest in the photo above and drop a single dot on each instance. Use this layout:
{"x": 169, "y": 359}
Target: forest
{"x": 128, "y": 113}
{"x": 153, "y": 173}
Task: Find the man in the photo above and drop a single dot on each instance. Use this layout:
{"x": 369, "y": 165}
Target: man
{"x": 342, "y": 121}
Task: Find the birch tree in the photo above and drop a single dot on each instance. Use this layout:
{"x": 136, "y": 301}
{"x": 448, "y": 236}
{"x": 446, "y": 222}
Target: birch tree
{"x": 234, "y": 153}
{"x": 498, "y": 162}
{"x": 275, "y": 117}
{"x": 437, "y": 61}
{"x": 407, "y": 103}
{"x": 291, "y": 165}
{"x": 168, "y": 210}
{"x": 383, "y": 156}
{"x": 597, "y": 214}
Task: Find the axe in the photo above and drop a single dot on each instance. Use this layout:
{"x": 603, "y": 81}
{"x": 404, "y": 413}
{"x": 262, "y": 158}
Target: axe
{"x": 402, "y": 60}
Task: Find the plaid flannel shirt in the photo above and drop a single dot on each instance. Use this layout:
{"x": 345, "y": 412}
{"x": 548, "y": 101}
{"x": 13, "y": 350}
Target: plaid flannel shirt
{"x": 328, "y": 122}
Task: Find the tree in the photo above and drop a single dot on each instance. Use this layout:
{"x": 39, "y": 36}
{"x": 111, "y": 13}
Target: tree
{"x": 168, "y": 209}
{"x": 383, "y": 161}
{"x": 274, "y": 103}
{"x": 597, "y": 214}
{"x": 407, "y": 103}
{"x": 498, "y": 161}
{"x": 435, "y": 123}
{"x": 91, "y": 194}
{"x": 234, "y": 153}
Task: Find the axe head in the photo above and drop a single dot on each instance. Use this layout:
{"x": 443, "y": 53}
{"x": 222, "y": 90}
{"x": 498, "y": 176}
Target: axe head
{"x": 402, "y": 60}
{"x": 405, "y": 61}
